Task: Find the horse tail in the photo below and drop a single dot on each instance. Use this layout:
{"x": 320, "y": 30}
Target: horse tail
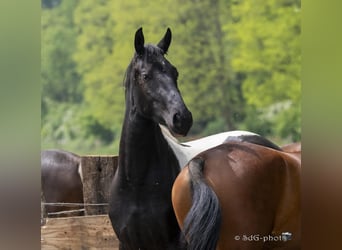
{"x": 202, "y": 223}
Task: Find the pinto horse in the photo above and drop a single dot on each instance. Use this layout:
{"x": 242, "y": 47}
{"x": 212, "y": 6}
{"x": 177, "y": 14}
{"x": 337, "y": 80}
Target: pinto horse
{"x": 61, "y": 181}
{"x": 140, "y": 207}
{"x": 239, "y": 195}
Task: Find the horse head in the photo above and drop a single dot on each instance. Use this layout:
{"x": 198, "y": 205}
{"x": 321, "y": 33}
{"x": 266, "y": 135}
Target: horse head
{"x": 153, "y": 89}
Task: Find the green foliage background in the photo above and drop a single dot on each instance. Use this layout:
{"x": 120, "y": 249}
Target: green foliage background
{"x": 239, "y": 63}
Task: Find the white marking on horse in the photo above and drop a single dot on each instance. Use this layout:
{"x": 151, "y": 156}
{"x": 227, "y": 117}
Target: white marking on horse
{"x": 185, "y": 151}
{"x": 80, "y": 171}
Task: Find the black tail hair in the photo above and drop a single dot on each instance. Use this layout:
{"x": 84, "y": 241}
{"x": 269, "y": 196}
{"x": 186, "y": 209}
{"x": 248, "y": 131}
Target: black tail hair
{"x": 202, "y": 223}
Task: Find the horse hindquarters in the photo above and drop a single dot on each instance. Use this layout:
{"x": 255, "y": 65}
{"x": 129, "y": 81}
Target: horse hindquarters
{"x": 196, "y": 207}
{"x": 258, "y": 189}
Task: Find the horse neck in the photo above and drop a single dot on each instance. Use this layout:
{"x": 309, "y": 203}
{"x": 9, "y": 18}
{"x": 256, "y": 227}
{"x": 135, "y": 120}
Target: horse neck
{"x": 143, "y": 150}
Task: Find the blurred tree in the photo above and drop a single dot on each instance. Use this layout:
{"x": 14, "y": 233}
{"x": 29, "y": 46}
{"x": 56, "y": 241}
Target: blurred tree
{"x": 60, "y": 80}
{"x": 104, "y": 50}
{"x": 95, "y": 41}
{"x": 267, "y": 54}
{"x": 50, "y": 3}
{"x": 239, "y": 64}
{"x": 102, "y": 108}
{"x": 64, "y": 112}
{"x": 205, "y": 63}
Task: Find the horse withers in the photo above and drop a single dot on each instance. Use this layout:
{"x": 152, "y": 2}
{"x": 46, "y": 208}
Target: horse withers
{"x": 239, "y": 195}
{"x": 61, "y": 182}
{"x": 140, "y": 207}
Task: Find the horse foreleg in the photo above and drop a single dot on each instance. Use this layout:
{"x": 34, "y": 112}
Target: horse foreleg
{"x": 122, "y": 246}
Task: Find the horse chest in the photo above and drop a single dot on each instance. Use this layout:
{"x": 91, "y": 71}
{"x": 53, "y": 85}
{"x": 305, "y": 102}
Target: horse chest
{"x": 140, "y": 202}
{"x": 143, "y": 218}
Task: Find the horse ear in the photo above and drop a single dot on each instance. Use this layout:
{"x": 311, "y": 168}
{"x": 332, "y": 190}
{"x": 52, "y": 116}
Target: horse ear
{"x": 139, "y": 41}
{"x": 165, "y": 41}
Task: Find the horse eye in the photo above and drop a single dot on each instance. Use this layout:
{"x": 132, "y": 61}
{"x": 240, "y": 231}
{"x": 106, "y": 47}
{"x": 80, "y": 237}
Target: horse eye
{"x": 145, "y": 76}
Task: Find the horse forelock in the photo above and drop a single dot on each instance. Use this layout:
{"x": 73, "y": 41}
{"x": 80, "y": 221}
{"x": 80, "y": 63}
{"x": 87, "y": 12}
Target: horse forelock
{"x": 152, "y": 50}
{"x": 152, "y": 54}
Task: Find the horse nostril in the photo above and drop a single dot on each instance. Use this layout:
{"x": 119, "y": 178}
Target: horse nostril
{"x": 177, "y": 119}
{"x": 182, "y": 122}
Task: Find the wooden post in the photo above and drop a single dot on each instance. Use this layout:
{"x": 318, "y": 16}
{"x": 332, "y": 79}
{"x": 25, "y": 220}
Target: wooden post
{"x": 98, "y": 172}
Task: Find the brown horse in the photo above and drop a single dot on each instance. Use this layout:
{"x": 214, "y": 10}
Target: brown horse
{"x": 239, "y": 195}
{"x": 61, "y": 181}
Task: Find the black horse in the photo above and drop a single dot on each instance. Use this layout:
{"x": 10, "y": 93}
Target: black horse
{"x": 140, "y": 206}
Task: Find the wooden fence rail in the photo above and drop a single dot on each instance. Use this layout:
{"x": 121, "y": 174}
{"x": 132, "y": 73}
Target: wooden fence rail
{"x": 82, "y": 232}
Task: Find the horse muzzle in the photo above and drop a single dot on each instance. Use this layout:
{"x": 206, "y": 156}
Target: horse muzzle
{"x": 180, "y": 122}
